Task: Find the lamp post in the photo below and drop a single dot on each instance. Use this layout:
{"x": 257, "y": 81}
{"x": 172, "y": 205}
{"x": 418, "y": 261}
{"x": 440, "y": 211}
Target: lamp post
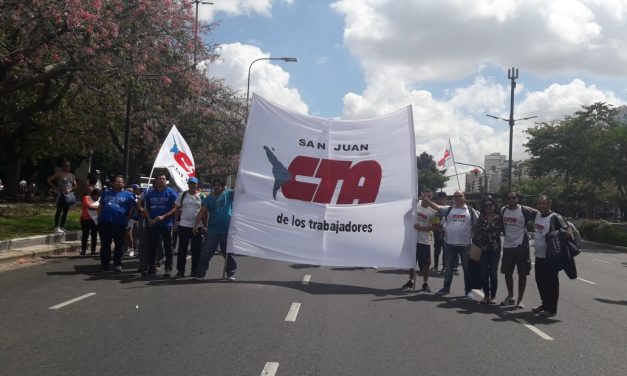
{"x": 285, "y": 59}
{"x": 196, "y": 26}
{"x": 485, "y": 176}
{"x": 512, "y": 75}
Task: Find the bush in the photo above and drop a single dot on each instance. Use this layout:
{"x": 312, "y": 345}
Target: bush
{"x": 607, "y": 234}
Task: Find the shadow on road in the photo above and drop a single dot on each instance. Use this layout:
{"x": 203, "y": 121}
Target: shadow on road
{"x": 303, "y": 266}
{"x": 609, "y": 301}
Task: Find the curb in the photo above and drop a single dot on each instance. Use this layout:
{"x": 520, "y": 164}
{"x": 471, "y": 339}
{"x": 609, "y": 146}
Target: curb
{"x": 38, "y": 251}
{"x": 16, "y": 243}
{"x": 616, "y": 248}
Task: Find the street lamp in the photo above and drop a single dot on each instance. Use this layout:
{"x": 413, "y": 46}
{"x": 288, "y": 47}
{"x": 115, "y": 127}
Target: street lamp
{"x": 485, "y": 176}
{"x": 196, "y": 26}
{"x": 512, "y": 75}
{"x": 285, "y": 59}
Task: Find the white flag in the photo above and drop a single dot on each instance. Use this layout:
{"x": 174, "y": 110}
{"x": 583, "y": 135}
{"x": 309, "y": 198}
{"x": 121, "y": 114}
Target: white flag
{"x": 441, "y": 158}
{"x": 176, "y": 156}
{"x": 326, "y": 192}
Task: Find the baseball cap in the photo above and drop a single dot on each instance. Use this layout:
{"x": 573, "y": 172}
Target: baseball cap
{"x": 134, "y": 186}
{"x": 192, "y": 180}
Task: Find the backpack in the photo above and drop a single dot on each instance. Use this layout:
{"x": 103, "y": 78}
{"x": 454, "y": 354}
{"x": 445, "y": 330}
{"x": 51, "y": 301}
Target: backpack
{"x": 576, "y": 235}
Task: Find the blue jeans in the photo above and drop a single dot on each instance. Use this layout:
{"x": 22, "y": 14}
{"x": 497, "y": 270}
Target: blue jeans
{"x": 489, "y": 267}
{"x": 209, "y": 248}
{"x": 451, "y": 252}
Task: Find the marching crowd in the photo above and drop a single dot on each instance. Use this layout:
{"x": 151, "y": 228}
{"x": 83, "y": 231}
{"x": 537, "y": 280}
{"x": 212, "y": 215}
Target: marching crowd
{"x": 147, "y": 222}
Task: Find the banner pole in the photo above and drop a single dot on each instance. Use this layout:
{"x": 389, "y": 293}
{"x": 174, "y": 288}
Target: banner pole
{"x": 454, "y": 165}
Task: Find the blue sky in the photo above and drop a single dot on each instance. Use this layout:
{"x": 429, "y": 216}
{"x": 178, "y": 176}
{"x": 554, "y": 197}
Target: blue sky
{"x": 446, "y": 58}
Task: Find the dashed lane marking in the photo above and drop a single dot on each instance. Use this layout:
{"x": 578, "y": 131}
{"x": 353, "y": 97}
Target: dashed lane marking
{"x": 306, "y": 279}
{"x": 586, "y": 281}
{"x": 537, "y": 331}
{"x": 61, "y": 305}
{"x": 293, "y": 312}
{"x": 270, "y": 369}
{"x": 607, "y": 262}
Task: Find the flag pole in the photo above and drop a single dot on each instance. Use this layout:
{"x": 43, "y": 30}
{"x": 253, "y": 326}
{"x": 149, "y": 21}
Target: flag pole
{"x": 454, "y": 165}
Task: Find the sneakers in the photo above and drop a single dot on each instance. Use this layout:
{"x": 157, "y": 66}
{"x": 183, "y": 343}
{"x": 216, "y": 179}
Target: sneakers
{"x": 167, "y": 273}
{"x": 408, "y": 285}
{"x": 508, "y": 301}
{"x": 199, "y": 277}
{"x": 118, "y": 269}
{"x": 442, "y": 292}
{"x": 537, "y": 309}
{"x": 131, "y": 252}
{"x": 520, "y": 305}
{"x": 425, "y": 287}
{"x": 58, "y": 230}
{"x": 469, "y": 295}
{"x": 230, "y": 278}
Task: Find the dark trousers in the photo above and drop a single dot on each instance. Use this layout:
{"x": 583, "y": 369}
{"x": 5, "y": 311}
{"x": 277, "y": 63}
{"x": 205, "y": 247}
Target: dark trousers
{"x": 209, "y": 248}
{"x": 88, "y": 227}
{"x": 186, "y": 236}
{"x": 438, "y": 243}
{"x": 548, "y": 283}
{"x": 159, "y": 235}
{"x": 61, "y": 214}
{"x": 111, "y": 232}
{"x": 489, "y": 268}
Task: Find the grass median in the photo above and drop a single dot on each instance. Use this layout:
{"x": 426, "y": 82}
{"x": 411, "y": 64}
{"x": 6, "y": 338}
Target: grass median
{"x": 21, "y": 221}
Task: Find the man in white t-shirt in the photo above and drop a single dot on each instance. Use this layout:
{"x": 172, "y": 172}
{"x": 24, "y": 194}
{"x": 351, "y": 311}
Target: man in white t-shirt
{"x": 458, "y": 221}
{"x": 516, "y": 247}
{"x": 424, "y": 225}
{"x": 187, "y": 207}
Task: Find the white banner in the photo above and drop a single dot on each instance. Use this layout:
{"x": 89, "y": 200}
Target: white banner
{"x": 326, "y": 192}
{"x": 176, "y": 156}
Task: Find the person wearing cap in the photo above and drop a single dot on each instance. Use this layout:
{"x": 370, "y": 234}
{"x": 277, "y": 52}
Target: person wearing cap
{"x": 187, "y": 207}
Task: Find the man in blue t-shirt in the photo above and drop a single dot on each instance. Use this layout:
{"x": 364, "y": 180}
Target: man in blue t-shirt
{"x": 159, "y": 210}
{"x": 113, "y": 213}
{"x": 219, "y": 205}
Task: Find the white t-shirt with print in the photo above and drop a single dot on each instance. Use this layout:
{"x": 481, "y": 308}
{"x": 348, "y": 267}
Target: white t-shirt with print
{"x": 457, "y": 225}
{"x": 424, "y": 218}
{"x": 189, "y": 208}
{"x": 542, "y": 226}
{"x": 513, "y": 227}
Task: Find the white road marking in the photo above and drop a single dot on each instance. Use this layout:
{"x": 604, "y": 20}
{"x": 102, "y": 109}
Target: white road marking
{"x": 306, "y": 279}
{"x": 586, "y": 281}
{"x": 536, "y": 330}
{"x": 479, "y": 292}
{"x": 61, "y": 305}
{"x": 269, "y": 369}
{"x": 607, "y": 262}
{"x": 293, "y": 312}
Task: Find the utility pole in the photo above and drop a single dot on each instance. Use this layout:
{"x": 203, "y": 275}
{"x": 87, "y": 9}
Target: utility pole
{"x": 512, "y": 75}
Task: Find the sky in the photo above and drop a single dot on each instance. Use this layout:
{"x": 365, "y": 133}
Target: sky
{"x": 448, "y": 59}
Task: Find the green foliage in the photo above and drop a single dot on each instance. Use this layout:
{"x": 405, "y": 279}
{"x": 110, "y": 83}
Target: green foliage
{"x": 33, "y": 220}
{"x": 585, "y": 154}
{"x": 428, "y": 174}
{"x": 605, "y": 233}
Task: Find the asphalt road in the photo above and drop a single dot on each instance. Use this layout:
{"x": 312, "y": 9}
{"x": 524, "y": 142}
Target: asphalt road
{"x": 350, "y": 321}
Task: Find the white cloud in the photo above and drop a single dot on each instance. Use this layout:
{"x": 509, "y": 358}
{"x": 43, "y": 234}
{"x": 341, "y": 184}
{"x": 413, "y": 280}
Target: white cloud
{"x": 266, "y": 79}
{"x": 449, "y": 39}
{"x": 231, "y": 8}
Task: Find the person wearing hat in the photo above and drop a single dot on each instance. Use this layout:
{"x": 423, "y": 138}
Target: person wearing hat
{"x": 187, "y": 207}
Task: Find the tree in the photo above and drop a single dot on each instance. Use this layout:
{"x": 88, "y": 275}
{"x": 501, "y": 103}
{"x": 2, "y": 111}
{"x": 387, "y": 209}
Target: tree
{"x": 428, "y": 174}
{"x": 586, "y": 149}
